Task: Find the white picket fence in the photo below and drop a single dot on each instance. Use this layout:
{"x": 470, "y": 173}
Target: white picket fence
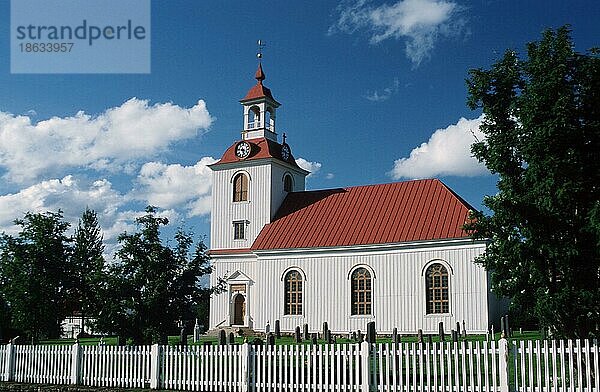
{"x": 571, "y": 365}
{"x": 532, "y": 366}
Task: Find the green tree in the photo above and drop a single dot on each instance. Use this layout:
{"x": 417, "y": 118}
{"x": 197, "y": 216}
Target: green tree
{"x": 4, "y": 318}
{"x": 151, "y": 286}
{"x": 35, "y": 273}
{"x": 542, "y": 127}
{"x": 88, "y": 265}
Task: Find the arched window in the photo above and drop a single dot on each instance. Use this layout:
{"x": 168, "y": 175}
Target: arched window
{"x": 287, "y": 183}
{"x": 361, "y": 292}
{"x": 240, "y": 187}
{"x": 254, "y": 117}
{"x": 293, "y": 293}
{"x": 436, "y": 282}
{"x": 270, "y": 119}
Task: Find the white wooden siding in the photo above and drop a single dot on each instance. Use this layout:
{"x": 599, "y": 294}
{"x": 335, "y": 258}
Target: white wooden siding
{"x": 265, "y": 195}
{"x": 220, "y": 303}
{"x": 277, "y": 192}
{"x": 398, "y": 290}
{"x": 224, "y": 211}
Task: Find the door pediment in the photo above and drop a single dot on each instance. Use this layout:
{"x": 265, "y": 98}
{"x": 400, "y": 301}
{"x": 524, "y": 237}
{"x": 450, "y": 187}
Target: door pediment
{"x": 239, "y": 277}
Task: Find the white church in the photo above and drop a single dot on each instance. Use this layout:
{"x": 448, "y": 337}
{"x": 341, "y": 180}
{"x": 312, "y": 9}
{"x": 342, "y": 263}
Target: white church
{"x": 391, "y": 253}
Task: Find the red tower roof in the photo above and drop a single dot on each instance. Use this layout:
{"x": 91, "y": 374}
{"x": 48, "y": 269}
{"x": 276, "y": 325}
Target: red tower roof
{"x": 258, "y": 90}
{"x": 260, "y": 148}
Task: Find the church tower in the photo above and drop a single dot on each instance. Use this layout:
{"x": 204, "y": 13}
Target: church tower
{"x": 254, "y": 174}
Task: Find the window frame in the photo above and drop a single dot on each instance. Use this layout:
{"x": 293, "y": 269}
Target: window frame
{"x": 361, "y": 298}
{"x": 437, "y": 289}
{"x": 293, "y": 297}
{"x": 237, "y": 224}
{"x": 241, "y": 194}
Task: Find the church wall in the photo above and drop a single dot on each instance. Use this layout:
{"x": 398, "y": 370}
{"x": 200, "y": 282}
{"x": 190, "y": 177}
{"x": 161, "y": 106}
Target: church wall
{"x": 220, "y": 303}
{"x": 398, "y": 291}
{"x": 279, "y": 195}
{"x": 255, "y": 210}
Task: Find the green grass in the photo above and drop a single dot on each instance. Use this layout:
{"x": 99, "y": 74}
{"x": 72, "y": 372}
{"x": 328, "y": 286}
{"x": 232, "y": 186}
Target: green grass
{"x": 109, "y": 341}
{"x": 289, "y": 340}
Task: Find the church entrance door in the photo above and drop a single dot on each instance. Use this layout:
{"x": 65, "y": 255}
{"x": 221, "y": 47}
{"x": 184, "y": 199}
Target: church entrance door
{"x": 239, "y": 309}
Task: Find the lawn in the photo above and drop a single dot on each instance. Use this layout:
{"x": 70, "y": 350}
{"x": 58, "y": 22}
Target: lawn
{"x": 289, "y": 340}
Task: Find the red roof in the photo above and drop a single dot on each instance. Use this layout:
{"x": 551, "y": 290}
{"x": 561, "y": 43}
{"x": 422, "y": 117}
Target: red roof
{"x": 374, "y": 214}
{"x": 258, "y": 90}
{"x": 260, "y": 148}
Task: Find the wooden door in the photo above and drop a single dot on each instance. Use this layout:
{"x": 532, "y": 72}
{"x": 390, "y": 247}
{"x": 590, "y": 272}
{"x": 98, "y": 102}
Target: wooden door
{"x": 239, "y": 309}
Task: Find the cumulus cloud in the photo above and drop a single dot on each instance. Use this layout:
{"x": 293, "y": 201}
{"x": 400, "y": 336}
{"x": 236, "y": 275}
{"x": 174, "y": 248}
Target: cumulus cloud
{"x": 419, "y": 23}
{"x": 446, "y": 153}
{"x": 176, "y": 186}
{"x": 312, "y": 167}
{"x": 73, "y": 196}
{"x": 110, "y": 141}
{"x": 67, "y": 194}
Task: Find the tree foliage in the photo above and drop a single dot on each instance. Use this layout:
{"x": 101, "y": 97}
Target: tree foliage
{"x": 151, "y": 286}
{"x": 35, "y": 274}
{"x": 88, "y": 265}
{"x": 542, "y": 127}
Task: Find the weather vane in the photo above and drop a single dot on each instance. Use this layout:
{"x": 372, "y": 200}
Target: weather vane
{"x": 261, "y": 44}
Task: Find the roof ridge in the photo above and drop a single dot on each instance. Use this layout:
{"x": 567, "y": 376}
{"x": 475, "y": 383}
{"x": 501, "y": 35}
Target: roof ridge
{"x": 372, "y": 185}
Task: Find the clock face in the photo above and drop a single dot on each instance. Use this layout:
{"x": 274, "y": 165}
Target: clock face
{"x": 242, "y": 150}
{"x": 285, "y": 152}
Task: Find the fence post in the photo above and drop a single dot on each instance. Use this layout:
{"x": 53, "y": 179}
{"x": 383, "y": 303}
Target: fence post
{"x": 75, "y": 363}
{"x": 9, "y": 362}
{"x": 245, "y": 367}
{"x": 365, "y": 365}
{"x": 155, "y": 367}
{"x": 503, "y": 364}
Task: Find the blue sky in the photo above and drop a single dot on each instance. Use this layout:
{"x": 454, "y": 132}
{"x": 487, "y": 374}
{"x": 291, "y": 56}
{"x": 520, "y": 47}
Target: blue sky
{"x": 371, "y": 92}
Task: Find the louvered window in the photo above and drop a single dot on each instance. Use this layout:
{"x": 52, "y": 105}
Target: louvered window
{"x": 240, "y": 188}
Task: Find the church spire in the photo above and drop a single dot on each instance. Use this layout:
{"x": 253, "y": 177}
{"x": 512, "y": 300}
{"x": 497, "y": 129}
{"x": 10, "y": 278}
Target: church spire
{"x": 260, "y": 75}
{"x": 259, "y": 107}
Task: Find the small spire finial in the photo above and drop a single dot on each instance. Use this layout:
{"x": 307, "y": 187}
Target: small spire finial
{"x": 284, "y": 137}
{"x": 261, "y": 44}
{"x": 260, "y": 75}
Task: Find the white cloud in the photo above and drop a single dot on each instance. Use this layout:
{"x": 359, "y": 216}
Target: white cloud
{"x": 420, "y": 23}
{"x": 446, "y": 153}
{"x": 329, "y": 176}
{"x": 176, "y": 186}
{"x": 67, "y": 194}
{"x": 72, "y": 196}
{"x": 385, "y": 94}
{"x": 312, "y": 167}
{"x": 110, "y": 141}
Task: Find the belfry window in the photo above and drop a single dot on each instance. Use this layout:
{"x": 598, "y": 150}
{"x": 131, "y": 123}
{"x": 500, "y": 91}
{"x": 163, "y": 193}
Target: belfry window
{"x": 240, "y": 188}
{"x": 361, "y": 292}
{"x": 436, "y": 282}
{"x": 293, "y": 293}
{"x": 254, "y": 118}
